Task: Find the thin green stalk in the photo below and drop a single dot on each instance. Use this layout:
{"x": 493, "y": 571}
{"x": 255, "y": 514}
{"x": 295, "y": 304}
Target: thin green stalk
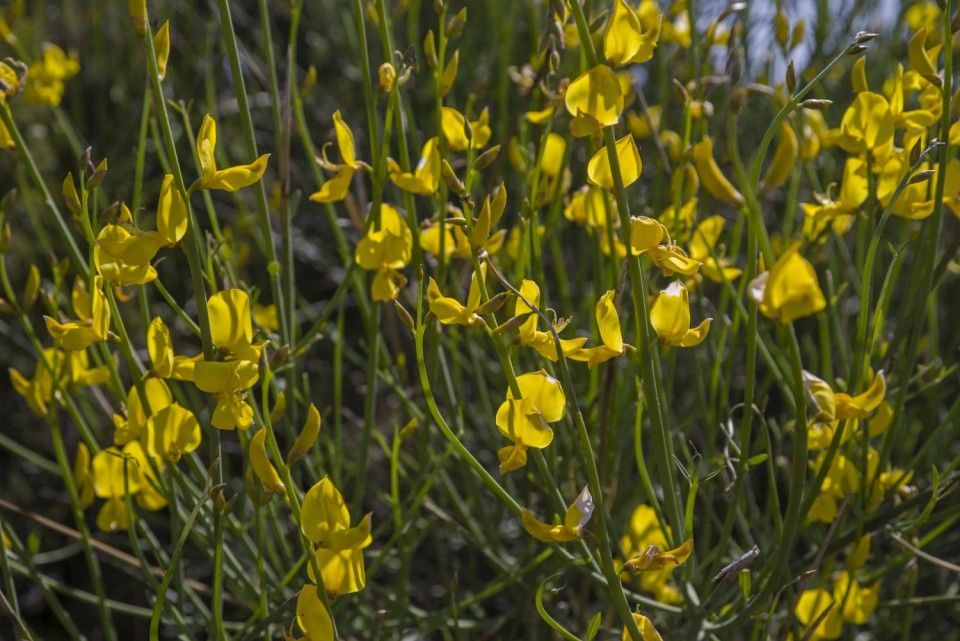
{"x": 233, "y": 54}
{"x": 649, "y": 367}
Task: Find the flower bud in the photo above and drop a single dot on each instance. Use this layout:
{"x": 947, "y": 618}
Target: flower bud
{"x": 388, "y": 76}
{"x": 791, "y": 79}
{"x": 403, "y": 315}
{"x": 486, "y": 159}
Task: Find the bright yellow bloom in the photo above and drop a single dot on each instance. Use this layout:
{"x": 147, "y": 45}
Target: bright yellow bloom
{"x": 67, "y": 368}
{"x": 608, "y": 323}
{"x": 425, "y": 178}
{"x": 231, "y": 325}
{"x": 711, "y": 176}
{"x": 525, "y": 420}
{"x": 171, "y": 212}
{"x": 172, "y": 432}
{"x": 653, "y": 560}
{"x": 46, "y": 76}
{"x": 167, "y": 364}
{"x": 229, "y": 381}
{"x": 231, "y": 179}
{"x": 645, "y": 234}
{"x": 867, "y": 125}
{"x": 810, "y": 606}
{"x": 790, "y": 290}
{"x": 647, "y": 631}
{"x": 838, "y": 213}
{"x": 134, "y": 425}
{"x": 554, "y": 150}
{"x": 385, "y": 251}
{"x": 262, "y": 467}
{"x": 703, "y": 246}
{"x": 643, "y": 532}
{"x": 600, "y": 173}
{"x": 595, "y": 99}
{"x": 93, "y": 325}
{"x": 587, "y": 207}
{"x": 671, "y": 259}
{"x": 920, "y": 58}
{"x": 916, "y": 200}
{"x": 336, "y": 188}
{"x": 455, "y": 241}
{"x": 453, "y": 125}
{"x": 113, "y": 474}
{"x": 670, "y": 317}
{"x": 450, "y": 311}
{"x": 312, "y": 615}
{"x": 624, "y": 40}
{"x": 528, "y": 334}
{"x": 324, "y": 519}
{"x": 577, "y": 515}
{"x": 308, "y": 434}
{"x": 783, "y": 161}
{"x": 858, "y": 602}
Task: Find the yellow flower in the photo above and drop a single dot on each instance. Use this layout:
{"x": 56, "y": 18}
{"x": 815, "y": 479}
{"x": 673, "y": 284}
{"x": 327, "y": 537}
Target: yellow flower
{"x": 425, "y": 178}
{"x": 93, "y": 325}
{"x": 453, "y": 125}
{"x": 450, "y": 311}
{"x": 308, "y": 434}
{"x": 45, "y": 78}
{"x": 671, "y": 259}
{"x": 915, "y": 201}
{"x": 645, "y": 234}
{"x": 842, "y": 479}
{"x": 790, "y": 290}
{"x": 624, "y": 41}
{"x": 172, "y": 432}
{"x": 525, "y": 420}
{"x": 703, "y": 246}
{"x": 386, "y": 250}
{"x": 228, "y": 381}
{"x": 838, "y": 213}
{"x": 647, "y": 631}
{"x": 231, "y": 326}
{"x": 867, "y": 125}
{"x": 712, "y": 177}
{"x": 643, "y": 532}
{"x": 166, "y": 364}
{"x": 595, "y": 100}
{"x": 134, "y": 426}
{"x": 312, "y": 615}
{"x": 810, "y": 607}
{"x": 113, "y": 473}
{"x": 171, "y": 212}
{"x": 577, "y": 515}
{"x": 587, "y": 207}
{"x": 608, "y": 323}
{"x": 336, "y": 188}
{"x": 554, "y": 150}
{"x": 600, "y": 173}
{"x": 324, "y": 519}
{"x": 670, "y": 317}
{"x": 528, "y": 334}
{"x": 67, "y": 368}
{"x": 230, "y": 179}
{"x": 261, "y": 465}
{"x": 857, "y": 602}
{"x": 653, "y": 560}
